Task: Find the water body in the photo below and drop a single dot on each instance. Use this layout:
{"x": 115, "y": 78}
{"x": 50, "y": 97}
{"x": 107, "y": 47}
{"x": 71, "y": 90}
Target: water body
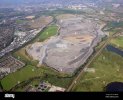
{"x": 115, "y": 50}
{"x": 114, "y": 87}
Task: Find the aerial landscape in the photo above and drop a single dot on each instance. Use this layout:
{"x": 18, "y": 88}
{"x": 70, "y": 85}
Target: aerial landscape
{"x": 61, "y": 45}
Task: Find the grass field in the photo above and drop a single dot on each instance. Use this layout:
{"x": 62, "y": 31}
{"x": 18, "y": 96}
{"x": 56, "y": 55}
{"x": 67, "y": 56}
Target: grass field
{"x": 30, "y": 72}
{"x": 118, "y": 42}
{"x": 24, "y": 74}
{"x": 108, "y": 68}
{"x": 50, "y": 31}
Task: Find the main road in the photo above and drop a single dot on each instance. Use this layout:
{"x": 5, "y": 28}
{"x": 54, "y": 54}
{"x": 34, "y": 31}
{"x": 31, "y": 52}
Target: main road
{"x": 74, "y": 82}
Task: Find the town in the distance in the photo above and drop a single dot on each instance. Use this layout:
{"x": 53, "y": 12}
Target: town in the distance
{"x": 61, "y": 45}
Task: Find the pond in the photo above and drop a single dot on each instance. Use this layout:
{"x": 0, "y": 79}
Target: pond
{"x": 115, "y": 50}
{"x": 114, "y": 87}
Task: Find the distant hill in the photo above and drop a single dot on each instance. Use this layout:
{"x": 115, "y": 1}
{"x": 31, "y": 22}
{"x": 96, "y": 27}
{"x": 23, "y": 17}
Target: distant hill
{"x": 14, "y": 2}
{"x": 11, "y": 1}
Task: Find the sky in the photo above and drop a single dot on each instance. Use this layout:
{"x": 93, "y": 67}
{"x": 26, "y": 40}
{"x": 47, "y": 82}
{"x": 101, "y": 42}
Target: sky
{"x": 33, "y": 1}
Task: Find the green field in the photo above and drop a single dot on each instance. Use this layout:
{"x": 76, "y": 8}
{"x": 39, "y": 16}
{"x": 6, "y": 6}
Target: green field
{"x": 108, "y": 68}
{"x": 50, "y": 31}
{"x": 24, "y": 74}
{"x": 118, "y": 42}
{"x": 30, "y": 72}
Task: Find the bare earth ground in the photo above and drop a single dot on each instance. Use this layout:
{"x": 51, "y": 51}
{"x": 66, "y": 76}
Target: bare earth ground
{"x": 40, "y": 22}
{"x": 68, "y": 51}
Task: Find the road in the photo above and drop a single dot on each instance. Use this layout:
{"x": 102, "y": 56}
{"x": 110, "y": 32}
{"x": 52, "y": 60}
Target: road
{"x": 74, "y": 82}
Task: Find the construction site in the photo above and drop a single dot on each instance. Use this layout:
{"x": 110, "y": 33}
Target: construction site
{"x": 70, "y": 49}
